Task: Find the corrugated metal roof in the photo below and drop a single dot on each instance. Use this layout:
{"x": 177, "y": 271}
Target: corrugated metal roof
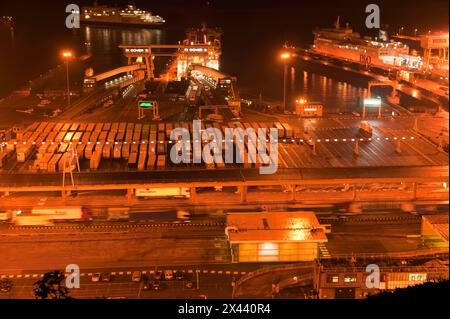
{"x": 439, "y": 223}
{"x": 275, "y": 227}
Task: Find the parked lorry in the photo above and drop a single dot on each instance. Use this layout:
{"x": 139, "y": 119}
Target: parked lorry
{"x": 7, "y": 215}
{"x": 33, "y": 220}
{"x": 66, "y": 213}
{"x": 23, "y": 152}
{"x": 159, "y": 216}
{"x": 118, "y": 214}
{"x": 182, "y": 192}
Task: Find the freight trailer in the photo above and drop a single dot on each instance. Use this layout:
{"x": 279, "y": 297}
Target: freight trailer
{"x": 182, "y": 192}
{"x": 118, "y": 214}
{"x": 23, "y": 152}
{"x": 33, "y": 220}
{"x": 159, "y": 216}
{"x": 63, "y": 213}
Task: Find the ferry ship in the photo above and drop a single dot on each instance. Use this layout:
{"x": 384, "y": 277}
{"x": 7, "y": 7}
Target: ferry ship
{"x": 6, "y": 22}
{"x": 131, "y": 15}
{"x": 343, "y": 43}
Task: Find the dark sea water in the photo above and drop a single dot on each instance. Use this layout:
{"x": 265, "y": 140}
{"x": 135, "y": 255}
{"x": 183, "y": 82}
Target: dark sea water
{"x": 253, "y": 35}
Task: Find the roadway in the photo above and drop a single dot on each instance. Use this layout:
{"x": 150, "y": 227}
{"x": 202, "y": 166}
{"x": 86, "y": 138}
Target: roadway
{"x": 230, "y": 177}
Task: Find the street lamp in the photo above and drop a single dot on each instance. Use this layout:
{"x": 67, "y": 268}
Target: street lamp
{"x": 285, "y": 57}
{"x": 67, "y": 56}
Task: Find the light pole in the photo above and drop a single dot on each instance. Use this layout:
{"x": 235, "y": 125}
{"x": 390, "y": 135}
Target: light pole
{"x": 285, "y": 57}
{"x": 67, "y": 55}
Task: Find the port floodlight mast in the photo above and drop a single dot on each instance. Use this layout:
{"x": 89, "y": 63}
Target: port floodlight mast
{"x": 285, "y": 56}
{"x": 67, "y": 56}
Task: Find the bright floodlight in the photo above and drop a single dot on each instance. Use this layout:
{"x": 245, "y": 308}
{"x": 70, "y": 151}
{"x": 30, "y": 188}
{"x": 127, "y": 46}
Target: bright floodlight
{"x": 285, "y": 55}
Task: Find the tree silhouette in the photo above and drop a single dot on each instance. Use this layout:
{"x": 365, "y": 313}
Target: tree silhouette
{"x": 51, "y": 286}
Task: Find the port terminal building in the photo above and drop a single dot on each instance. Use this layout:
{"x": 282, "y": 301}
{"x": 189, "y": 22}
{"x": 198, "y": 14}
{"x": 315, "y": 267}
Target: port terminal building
{"x": 274, "y": 236}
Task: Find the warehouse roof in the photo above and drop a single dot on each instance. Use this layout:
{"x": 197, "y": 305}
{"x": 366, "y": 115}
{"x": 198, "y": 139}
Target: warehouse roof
{"x": 274, "y": 227}
{"x": 439, "y": 223}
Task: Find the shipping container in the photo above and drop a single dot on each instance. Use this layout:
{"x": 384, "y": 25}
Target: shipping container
{"x": 145, "y": 132}
{"x": 107, "y": 151}
{"x": 120, "y": 136}
{"x": 51, "y": 137}
{"x": 126, "y": 150}
{"x": 106, "y": 127}
{"x": 161, "y": 162}
{"x": 132, "y": 160}
{"x": 66, "y": 127}
{"x": 115, "y": 127}
{"x": 5, "y": 156}
{"x": 94, "y": 162}
{"x": 80, "y": 150}
{"x": 98, "y": 127}
{"x": 49, "y": 127}
{"x": 117, "y": 150}
{"x": 53, "y": 163}
{"x": 68, "y": 137}
{"x": 74, "y": 127}
{"x": 142, "y": 157}
{"x": 122, "y": 127}
{"x": 89, "y": 150}
{"x": 59, "y": 138}
{"x": 151, "y": 161}
{"x": 77, "y": 137}
{"x": 90, "y": 127}
{"x": 111, "y": 136}
{"x": 58, "y": 127}
{"x": 82, "y": 127}
{"x": 86, "y": 137}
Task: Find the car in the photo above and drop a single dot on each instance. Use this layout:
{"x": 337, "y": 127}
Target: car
{"x": 189, "y": 284}
{"x": 136, "y": 277}
{"x": 106, "y": 277}
{"x": 158, "y": 275}
{"x": 155, "y": 285}
{"x": 168, "y": 275}
{"x": 146, "y": 285}
{"x": 96, "y": 277}
{"x": 179, "y": 275}
{"x": 5, "y": 285}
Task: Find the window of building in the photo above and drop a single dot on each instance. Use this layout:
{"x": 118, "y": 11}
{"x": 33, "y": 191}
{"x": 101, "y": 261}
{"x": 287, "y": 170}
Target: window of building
{"x": 350, "y": 278}
{"x": 333, "y": 278}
